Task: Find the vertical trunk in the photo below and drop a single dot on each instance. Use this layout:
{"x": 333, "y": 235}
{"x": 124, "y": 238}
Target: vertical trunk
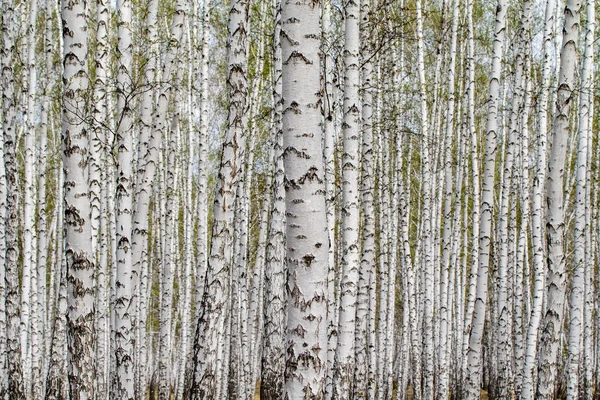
{"x": 306, "y": 229}
{"x": 504, "y": 219}
{"x": 78, "y": 239}
{"x": 443, "y": 388}
{"x": 555, "y": 220}
{"x": 473, "y": 376}
{"x": 14, "y": 383}
{"x": 202, "y": 194}
{"x": 472, "y": 133}
{"x": 344, "y": 357}
{"x": 582, "y": 259}
{"x": 537, "y": 228}
{"x": 427, "y": 249}
{"x": 127, "y": 277}
{"x": 367, "y": 261}
{"x": 273, "y": 354}
{"x": 522, "y": 279}
{"x": 149, "y": 143}
{"x": 28, "y": 270}
{"x": 98, "y": 187}
{"x": 329, "y": 145}
{"x": 209, "y": 341}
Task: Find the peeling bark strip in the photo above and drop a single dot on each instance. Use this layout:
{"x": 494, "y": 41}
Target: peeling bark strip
{"x": 306, "y": 230}
{"x": 78, "y": 231}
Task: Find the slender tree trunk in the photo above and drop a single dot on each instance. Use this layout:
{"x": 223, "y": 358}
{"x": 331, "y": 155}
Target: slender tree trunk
{"x": 127, "y": 277}
{"x": 209, "y": 342}
{"x": 537, "y": 228}
{"x": 582, "y": 258}
{"x": 306, "y": 229}
{"x": 14, "y": 384}
{"x": 28, "y": 269}
{"x": 344, "y": 357}
{"x": 367, "y": 261}
{"x": 474, "y": 364}
{"x": 78, "y": 240}
{"x": 273, "y": 354}
{"x": 555, "y": 220}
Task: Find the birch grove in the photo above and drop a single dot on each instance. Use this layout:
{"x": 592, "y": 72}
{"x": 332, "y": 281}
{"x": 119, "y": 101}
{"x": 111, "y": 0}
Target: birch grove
{"x": 312, "y": 199}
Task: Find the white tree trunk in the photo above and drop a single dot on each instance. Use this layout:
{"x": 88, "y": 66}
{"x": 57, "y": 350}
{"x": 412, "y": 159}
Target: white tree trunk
{"x": 306, "y": 229}
{"x": 344, "y": 357}
{"x": 474, "y": 364}
{"x": 81, "y": 291}
{"x": 555, "y": 220}
{"x": 537, "y": 227}
{"x": 582, "y": 258}
{"x": 127, "y": 277}
{"x": 210, "y": 341}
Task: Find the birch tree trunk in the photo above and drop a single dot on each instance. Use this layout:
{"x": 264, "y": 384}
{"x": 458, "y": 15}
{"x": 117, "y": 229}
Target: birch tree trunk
{"x": 209, "y": 345}
{"x": 14, "y": 384}
{"x": 344, "y": 357}
{"x": 427, "y": 250}
{"x": 473, "y": 375}
{"x": 127, "y": 277}
{"x": 582, "y": 257}
{"x": 367, "y": 261}
{"x": 273, "y": 356}
{"x": 29, "y": 277}
{"x": 537, "y": 227}
{"x": 306, "y": 229}
{"x": 78, "y": 239}
{"x": 555, "y": 220}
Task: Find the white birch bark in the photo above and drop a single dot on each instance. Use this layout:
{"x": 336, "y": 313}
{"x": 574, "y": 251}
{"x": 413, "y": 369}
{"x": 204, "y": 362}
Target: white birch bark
{"x": 537, "y": 228}
{"x": 443, "y": 387}
{"x": 98, "y": 189}
{"x": 367, "y": 261}
{"x": 78, "y": 249}
{"x": 579, "y": 282}
{"x": 474, "y": 364}
{"x": 148, "y": 146}
{"x": 3, "y": 198}
{"x": 475, "y": 192}
{"x": 202, "y": 195}
{"x": 29, "y": 270}
{"x": 209, "y": 342}
{"x": 127, "y": 277}
{"x": 273, "y": 354}
{"x": 427, "y": 249}
{"x": 505, "y": 221}
{"x": 555, "y": 219}
{"x": 522, "y": 278}
{"x": 344, "y": 357}
{"x": 14, "y": 384}
{"x": 306, "y": 228}
{"x": 329, "y": 146}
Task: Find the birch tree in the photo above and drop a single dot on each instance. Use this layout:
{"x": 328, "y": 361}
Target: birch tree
{"x": 344, "y": 358}
{"x": 306, "y": 230}
{"x": 78, "y": 234}
{"x": 582, "y": 256}
{"x": 555, "y": 220}
{"x": 487, "y": 205}
{"x": 14, "y": 388}
{"x": 209, "y": 347}
{"x": 127, "y": 277}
